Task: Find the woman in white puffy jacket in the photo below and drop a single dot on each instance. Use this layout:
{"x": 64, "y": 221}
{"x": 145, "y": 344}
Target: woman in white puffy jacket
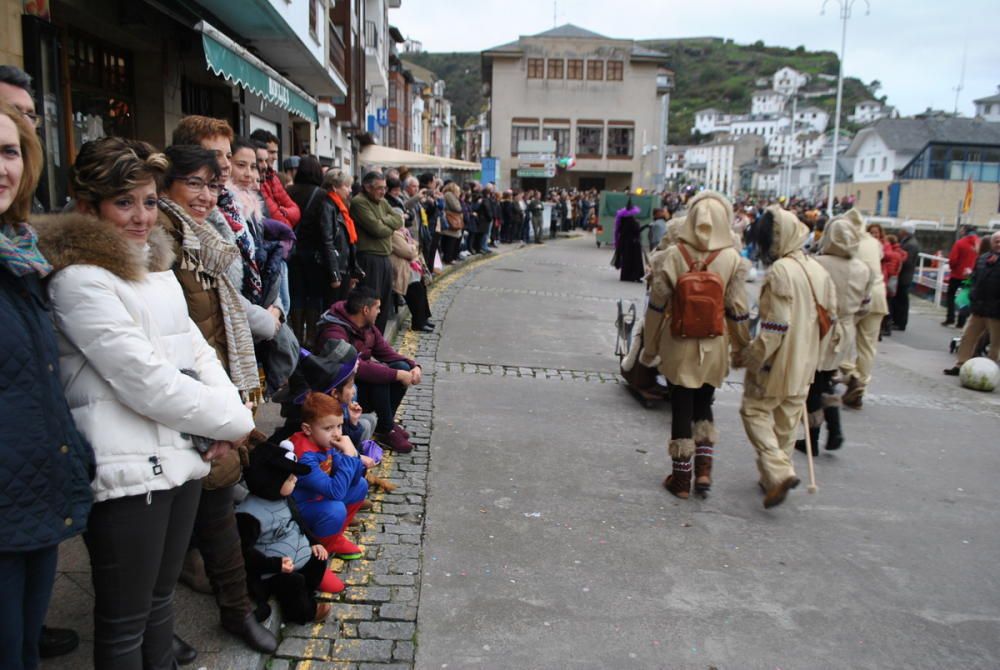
{"x": 140, "y": 380}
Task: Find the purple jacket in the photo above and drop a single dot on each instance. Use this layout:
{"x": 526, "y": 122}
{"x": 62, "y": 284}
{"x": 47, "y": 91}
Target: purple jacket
{"x": 374, "y": 353}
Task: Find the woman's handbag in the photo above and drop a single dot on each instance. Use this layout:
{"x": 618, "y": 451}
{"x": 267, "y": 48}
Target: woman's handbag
{"x": 455, "y": 220}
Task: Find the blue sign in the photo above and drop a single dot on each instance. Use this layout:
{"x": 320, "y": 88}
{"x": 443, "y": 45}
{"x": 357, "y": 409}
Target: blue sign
{"x": 383, "y": 116}
{"x": 489, "y": 170}
{"x": 371, "y": 123}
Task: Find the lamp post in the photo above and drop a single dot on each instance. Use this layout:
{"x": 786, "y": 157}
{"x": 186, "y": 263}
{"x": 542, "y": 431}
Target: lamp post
{"x": 845, "y": 13}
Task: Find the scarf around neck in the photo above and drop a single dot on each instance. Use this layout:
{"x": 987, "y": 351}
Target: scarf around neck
{"x": 19, "y": 250}
{"x": 209, "y": 257}
{"x": 352, "y": 233}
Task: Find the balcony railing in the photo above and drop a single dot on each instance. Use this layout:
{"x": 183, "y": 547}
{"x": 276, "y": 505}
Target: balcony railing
{"x": 371, "y": 35}
{"x": 337, "y": 51}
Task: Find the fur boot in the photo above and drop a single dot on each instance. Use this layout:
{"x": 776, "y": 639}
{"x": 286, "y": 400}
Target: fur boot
{"x": 815, "y": 423}
{"x": 705, "y": 437}
{"x": 853, "y": 395}
{"x": 679, "y": 481}
{"x": 831, "y": 412}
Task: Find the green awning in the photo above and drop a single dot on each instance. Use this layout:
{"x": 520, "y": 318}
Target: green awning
{"x": 226, "y": 63}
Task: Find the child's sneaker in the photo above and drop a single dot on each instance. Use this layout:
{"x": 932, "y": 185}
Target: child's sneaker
{"x": 330, "y": 583}
{"x": 343, "y": 548}
{"x": 394, "y": 440}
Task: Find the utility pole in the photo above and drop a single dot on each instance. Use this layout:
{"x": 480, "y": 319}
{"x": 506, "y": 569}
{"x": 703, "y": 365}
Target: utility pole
{"x": 845, "y": 13}
{"x": 961, "y": 78}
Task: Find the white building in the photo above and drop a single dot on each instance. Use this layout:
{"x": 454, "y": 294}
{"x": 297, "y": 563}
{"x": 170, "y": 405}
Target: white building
{"x": 768, "y": 102}
{"x": 870, "y": 111}
{"x": 711, "y": 120}
{"x": 716, "y": 165}
{"x": 787, "y": 80}
{"x": 764, "y": 125}
{"x": 989, "y": 108}
{"x": 879, "y": 150}
{"x": 674, "y": 162}
{"x": 811, "y": 117}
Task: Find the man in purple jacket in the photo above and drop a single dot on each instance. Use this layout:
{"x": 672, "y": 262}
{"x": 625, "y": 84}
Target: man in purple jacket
{"x": 383, "y": 373}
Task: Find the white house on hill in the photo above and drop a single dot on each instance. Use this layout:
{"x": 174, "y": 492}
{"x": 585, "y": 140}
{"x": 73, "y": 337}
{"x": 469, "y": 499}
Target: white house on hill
{"x": 787, "y": 80}
{"x": 989, "y": 108}
{"x": 768, "y": 102}
{"x": 870, "y": 111}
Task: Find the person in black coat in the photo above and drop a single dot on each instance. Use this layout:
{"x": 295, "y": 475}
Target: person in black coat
{"x": 900, "y": 306}
{"x": 985, "y": 308}
{"x": 46, "y": 465}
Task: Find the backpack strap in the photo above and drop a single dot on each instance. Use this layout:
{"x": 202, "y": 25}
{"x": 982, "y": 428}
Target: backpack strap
{"x": 691, "y": 263}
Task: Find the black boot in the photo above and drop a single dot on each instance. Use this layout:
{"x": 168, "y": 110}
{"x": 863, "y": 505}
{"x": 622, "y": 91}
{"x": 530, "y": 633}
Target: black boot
{"x": 800, "y": 445}
{"x": 834, "y": 436}
{"x": 254, "y": 634}
{"x": 184, "y": 653}
{"x": 57, "y": 642}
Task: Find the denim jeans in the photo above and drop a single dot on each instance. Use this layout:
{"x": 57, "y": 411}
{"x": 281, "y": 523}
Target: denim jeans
{"x": 26, "y": 579}
{"x": 383, "y": 399}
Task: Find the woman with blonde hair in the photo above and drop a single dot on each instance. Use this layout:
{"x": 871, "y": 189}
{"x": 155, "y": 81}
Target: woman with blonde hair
{"x": 145, "y": 388}
{"x": 47, "y": 464}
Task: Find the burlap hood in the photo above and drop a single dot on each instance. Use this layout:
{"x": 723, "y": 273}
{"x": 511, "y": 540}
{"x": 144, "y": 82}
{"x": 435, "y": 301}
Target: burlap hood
{"x": 789, "y": 234}
{"x": 840, "y": 238}
{"x": 708, "y": 222}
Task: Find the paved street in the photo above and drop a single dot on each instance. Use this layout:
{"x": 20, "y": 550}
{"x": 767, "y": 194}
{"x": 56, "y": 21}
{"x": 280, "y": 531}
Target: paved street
{"x": 549, "y": 542}
{"x": 530, "y": 529}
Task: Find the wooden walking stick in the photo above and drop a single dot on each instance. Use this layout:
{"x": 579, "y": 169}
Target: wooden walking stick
{"x": 812, "y": 488}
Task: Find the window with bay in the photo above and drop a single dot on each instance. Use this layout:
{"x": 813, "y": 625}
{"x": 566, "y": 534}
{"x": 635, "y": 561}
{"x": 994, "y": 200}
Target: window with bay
{"x": 519, "y": 133}
{"x": 555, "y": 68}
{"x": 589, "y": 140}
{"x": 595, "y": 70}
{"x": 536, "y": 68}
{"x": 620, "y": 141}
{"x": 574, "y": 69}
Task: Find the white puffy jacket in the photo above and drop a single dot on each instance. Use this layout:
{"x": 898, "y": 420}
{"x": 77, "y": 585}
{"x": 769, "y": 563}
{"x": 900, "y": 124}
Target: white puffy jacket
{"x": 125, "y": 336}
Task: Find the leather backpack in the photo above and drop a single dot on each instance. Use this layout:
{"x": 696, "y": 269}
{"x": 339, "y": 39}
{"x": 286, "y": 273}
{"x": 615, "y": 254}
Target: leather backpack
{"x": 698, "y": 303}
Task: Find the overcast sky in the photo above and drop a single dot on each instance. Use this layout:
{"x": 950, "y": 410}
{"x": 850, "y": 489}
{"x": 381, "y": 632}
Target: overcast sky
{"x": 914, "y": 47}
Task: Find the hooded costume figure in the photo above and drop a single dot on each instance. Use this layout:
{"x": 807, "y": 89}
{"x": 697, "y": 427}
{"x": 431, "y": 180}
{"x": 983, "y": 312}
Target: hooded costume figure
{"x": 695, "y": 367}
{"x": 853, "y": 280}
{"x": 272, "y": 531}
{"x": 628, "y": 245}
{"x": 857, "y": 368}
{"x": 781, "y": 361}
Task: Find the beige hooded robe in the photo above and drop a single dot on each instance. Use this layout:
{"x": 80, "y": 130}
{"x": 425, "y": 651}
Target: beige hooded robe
{"x": 853, "y": 280}
{"x": 693, "y": 362}
{"x": 782, "y": 359}
{"x": 870, "y": 252}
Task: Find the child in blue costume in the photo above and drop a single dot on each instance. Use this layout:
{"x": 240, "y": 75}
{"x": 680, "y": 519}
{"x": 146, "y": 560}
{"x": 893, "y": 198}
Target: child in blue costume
{"x": 333, "y": 491}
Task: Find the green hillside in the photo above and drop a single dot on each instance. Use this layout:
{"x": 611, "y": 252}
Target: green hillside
{"x": 709, "y": 71}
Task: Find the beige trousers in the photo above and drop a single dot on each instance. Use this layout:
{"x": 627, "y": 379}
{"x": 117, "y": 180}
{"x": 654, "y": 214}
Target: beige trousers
{"x": 974, "y": 330}
{"x": 867, "y": 340}
{"x": 772, "y": 424}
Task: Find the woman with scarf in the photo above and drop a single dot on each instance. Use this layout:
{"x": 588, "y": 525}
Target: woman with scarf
{"x": 204, "y": 267}
{"x": 141, "y": 380}
{"x": 45, "y": 495}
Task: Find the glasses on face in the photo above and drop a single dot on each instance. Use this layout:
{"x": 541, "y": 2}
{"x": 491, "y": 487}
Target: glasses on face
{"x": 197, "y": 183}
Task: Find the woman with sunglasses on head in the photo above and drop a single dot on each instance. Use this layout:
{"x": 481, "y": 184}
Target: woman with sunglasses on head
{"x": 141, "y": 381}
{"x": 47, "y": 464}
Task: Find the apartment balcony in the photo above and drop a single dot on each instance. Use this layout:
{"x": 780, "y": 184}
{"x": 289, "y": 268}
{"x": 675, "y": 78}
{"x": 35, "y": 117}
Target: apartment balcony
{"x": 337, "y": 54}
{"x": 376, "y": 65}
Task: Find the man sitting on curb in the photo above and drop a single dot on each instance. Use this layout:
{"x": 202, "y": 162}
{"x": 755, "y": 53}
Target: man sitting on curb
{"x": 383, "y": 373}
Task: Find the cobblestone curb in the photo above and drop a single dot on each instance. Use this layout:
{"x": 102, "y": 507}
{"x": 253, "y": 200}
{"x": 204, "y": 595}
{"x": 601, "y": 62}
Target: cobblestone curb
{"x": 373, "y": 623}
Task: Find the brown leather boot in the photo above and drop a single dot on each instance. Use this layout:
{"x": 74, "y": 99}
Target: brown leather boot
{"x": 679, "y": 481}
{"x": 854, "y": 393}
{"x": 705, "y": 437}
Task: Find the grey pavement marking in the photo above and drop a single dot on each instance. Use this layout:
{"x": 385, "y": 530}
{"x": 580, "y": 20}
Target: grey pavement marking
{"x": 543, "y": 294}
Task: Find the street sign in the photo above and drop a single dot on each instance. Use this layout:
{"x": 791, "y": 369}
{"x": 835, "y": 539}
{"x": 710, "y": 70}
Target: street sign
{"x": 382, "y": 116}
{"x": 536, "y": 158}
{"x": 546, "y": 172}
{"x": 489, "y": 170}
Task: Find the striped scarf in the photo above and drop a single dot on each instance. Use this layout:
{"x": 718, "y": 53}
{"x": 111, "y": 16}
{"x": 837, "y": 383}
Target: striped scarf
{"x": 209, "y": 257}
{"x": 19, "y": 251}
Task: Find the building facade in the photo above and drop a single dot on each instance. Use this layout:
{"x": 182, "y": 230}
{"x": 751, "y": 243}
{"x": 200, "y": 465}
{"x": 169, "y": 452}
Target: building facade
{"x": 601, "y": 100}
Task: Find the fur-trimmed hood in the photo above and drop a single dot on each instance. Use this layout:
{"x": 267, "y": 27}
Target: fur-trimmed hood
{"x": 81, "y": 239}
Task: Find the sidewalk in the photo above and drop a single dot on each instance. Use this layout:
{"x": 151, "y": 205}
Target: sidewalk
{"x": 374, "y": 619}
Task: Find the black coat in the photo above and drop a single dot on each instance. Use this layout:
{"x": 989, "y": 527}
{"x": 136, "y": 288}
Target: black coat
{"x": 46, "y": 465}
{"x": 321, "y": 239}
{"x": 985, "y": 294}
{"x": 912, "y": 249}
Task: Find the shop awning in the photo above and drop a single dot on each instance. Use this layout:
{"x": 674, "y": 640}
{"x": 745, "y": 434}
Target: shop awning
{"x": 234, "y": 63}
{"x": 382, "y": 156}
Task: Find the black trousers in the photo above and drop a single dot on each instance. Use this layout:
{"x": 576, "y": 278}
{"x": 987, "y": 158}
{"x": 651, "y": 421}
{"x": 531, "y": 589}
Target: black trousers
{"x": 449, "y": 248}
{"x": 420, "y": 308}
{"x": 689, "y": 405}
{"x": 900, "y": 307}
{"x": 26, "y": 579}
{"x": 218, "y": 540}
{"x": 294, "y": 591}
{"x": 383, "y": 399}
{"x": 137, "y": 546}
{"x": 378, "y": 277}
{"x": 430, "y": 249}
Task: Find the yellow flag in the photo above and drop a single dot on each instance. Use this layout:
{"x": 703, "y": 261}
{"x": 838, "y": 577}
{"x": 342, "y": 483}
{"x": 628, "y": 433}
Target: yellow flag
{"x": 967, "y": 201}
